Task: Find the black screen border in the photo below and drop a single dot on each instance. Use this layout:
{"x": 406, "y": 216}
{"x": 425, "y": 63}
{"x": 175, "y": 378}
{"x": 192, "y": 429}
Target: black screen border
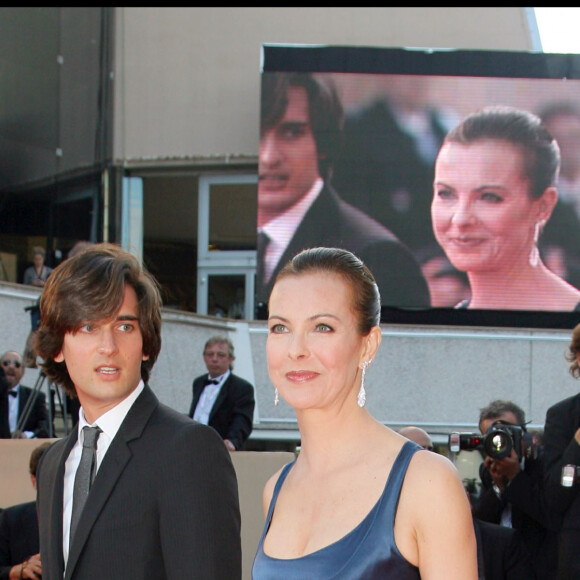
{"x": 452, "y": 62}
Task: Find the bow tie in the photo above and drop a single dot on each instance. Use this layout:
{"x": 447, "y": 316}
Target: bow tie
{"x": 13, "y": 393}
{"x": 210, "y": 382}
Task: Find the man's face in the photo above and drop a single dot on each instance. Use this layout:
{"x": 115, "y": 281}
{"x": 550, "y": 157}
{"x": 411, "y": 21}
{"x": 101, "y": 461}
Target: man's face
{"x": 217, "y": 359}
{"x": 288, "y": 159}
{"x": 104, "y": 358}
{"x": 13, "y": 367}
{"x": 506, "y": 417}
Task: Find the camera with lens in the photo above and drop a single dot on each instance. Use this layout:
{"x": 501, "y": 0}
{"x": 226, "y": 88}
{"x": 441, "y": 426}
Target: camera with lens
{"x": 570, "y": 475}
{"x": 497, "y": 443}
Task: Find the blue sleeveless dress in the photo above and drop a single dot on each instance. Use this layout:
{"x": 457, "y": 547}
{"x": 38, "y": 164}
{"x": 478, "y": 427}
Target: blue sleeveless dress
{"x": 366, "y": 553}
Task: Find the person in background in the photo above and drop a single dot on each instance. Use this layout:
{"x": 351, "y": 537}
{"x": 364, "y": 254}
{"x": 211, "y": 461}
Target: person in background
{"x": 300, "y": 135}
{"x": 385, "y": 167}
{"x": 19, "y": 547}
{"x": 418, "y": 435}
{"x": 494, "y": 191}
{"x": 513, "y": 493}
{"x": 221, "y": 399}
{"x": 561, "y": 448}
{"x": 4, "y": 406}
{"x": 501, "y": 552}
{"x": 162, "y": 497}
{"x": 560, "y": 242}
{"x": 37, "y": 421}
{"x": 340, "y": 509}
{"x": 37, "y": 274}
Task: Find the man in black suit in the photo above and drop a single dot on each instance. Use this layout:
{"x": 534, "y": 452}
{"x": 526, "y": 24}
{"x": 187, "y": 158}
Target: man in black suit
{"x": 163, "y": 503}
{"x": 513, "y": 492}
{"x": 19, "y": 549}
{"x": 562, "y": 447}
{"x": 300, "y": 136}
{"x": 4, "y": 425}
{"x": 37, "y": 421}
{"x": 221, "y": 399}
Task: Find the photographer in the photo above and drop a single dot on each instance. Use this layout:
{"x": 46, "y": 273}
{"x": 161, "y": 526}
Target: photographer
{"x": 562, "y": 447}
{"x": 512, "y": 489}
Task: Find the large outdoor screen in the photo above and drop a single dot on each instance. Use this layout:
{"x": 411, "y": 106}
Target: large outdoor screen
{"x": 454, "y": 175}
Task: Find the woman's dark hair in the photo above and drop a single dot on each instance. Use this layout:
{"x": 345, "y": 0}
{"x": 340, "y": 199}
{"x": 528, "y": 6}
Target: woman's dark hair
{"x": 88, "y": 287}
{"x": 540, "y": 151}
{"x": 573, "y": 352}
{"x": 367, "y": 300}
{"x": 325, "y": 111}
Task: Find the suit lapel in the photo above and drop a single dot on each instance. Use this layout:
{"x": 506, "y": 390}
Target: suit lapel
{"x": 56, "y": 510}
{"x": 114, "y": 463}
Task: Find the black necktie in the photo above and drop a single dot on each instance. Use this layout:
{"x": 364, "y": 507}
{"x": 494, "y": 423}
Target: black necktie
{"x": 209, "y": 381}
{"x": 13, "y": 393}
{"x": 84, "y": 476}
{"x": 263, "y": 241}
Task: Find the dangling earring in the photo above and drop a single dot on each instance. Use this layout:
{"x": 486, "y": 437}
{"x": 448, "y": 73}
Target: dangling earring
{"x": 362, "y": 395}
{"x": 535, "y": 253}
{"x": 276, "y": 397}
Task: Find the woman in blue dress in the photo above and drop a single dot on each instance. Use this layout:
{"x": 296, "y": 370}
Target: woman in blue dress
{"x": 360, "y": 501}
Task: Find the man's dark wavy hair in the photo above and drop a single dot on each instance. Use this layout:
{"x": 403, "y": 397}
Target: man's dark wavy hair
{"x": 326, "y": 113}
{"x": 89, "y": 287}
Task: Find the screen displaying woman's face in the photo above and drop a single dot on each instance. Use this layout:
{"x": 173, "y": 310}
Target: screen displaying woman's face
{"x": 482, "y": 214}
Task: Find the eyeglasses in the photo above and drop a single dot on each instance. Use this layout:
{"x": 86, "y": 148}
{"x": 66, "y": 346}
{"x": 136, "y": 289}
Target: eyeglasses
{"x": 16, "y": 363}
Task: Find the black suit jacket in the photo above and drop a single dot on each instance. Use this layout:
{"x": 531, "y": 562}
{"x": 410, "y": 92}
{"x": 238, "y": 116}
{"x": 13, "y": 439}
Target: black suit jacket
{"x": 163, "y": 506}
{"x": 332, "y": 222}
{"x": 562, "y": 421}
{"x": 232, "y": 415}
{"x": 38, "y": 419}
{"x": 531, "y": 514}
{"x": 501, "y": 553}
{"x": 18, "y": 536}
{"x": 560, "y": 448}
{"x": 4, "y": 423}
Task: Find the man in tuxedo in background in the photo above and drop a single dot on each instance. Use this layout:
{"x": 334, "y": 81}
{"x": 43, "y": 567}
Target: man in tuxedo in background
{"x": 221, "y": 399}
{"x": 37, "y": 423}
{"x": 19, "y": 549}
{"x": 301, "y": 127}
{"x": 159, "y": 491}
{"x": 4, "y": 425}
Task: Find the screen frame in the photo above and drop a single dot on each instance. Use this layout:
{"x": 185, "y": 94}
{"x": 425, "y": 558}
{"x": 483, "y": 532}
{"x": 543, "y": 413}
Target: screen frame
{"x": 447, "y": 62}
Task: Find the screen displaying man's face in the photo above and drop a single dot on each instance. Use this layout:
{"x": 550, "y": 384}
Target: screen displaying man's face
{"x": 288, "y": 159}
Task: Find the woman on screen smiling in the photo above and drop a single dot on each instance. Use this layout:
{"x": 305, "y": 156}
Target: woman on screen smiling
{"x": 494, "y": 190}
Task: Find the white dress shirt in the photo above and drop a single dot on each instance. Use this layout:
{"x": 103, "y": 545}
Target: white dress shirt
{"x": 208, "y": 397}
{"x": 109, "y": 424}
{"x": 281, "y": 229}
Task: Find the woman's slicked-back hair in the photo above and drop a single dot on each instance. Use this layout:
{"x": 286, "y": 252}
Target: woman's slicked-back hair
{"x": 89, "y": 287}
{"x": 523, "y": 129}
{"x": 365, "y": 292}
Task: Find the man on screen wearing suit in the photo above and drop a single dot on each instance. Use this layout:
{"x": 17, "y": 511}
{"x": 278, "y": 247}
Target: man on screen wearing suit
{"x": 297, "y": 208}
{"x": 37, "y": 422}
{"x": 163, "y": 502}
{"x": 221, "y": 399}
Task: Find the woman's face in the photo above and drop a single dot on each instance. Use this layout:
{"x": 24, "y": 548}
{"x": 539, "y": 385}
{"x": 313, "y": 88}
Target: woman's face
{"x": 483, "y": 216}
{"x": 314, "y": 349}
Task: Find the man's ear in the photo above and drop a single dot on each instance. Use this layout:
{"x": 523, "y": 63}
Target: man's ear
{"x": 59, "y": 357}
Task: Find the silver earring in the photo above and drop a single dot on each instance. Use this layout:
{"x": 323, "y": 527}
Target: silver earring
{"x": 535, "y": 253}
{"x": 276, "y": 397}
{"x": 362, "y": 395}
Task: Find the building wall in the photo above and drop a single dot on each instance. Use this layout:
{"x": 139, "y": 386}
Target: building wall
{"x": 187, "y": 80}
